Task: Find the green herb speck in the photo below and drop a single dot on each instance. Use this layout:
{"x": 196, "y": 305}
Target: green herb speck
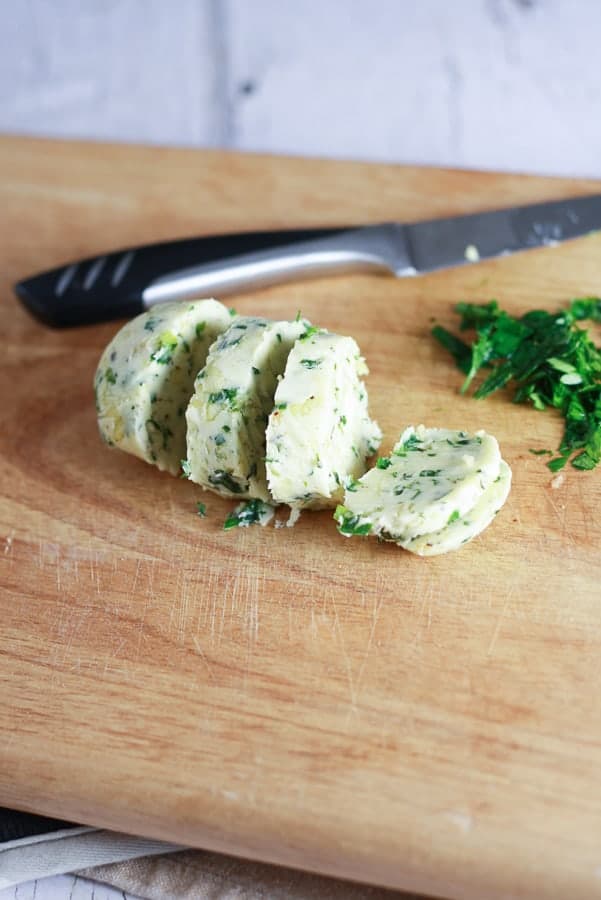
{"x": 163, "y": 352}
{"x": 311, "y": 363}
{"x": 251, "y": 512}
{"x": 310, "y": 331}
{"x": 226, "y": 396}
{"x": 220, "y": 478}
{"x": 350, "y": 524}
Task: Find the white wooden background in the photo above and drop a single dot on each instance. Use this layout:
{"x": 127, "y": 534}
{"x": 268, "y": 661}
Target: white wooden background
{"x": 510, "y": 84}
{"x": 505, "y": 84}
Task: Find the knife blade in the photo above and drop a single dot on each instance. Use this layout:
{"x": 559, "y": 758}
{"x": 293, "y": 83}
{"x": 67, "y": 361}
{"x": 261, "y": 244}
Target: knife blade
{"x": 127, "y": 282}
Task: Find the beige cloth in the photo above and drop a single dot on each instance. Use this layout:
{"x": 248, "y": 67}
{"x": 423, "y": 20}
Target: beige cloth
{"x": 201, "y": 875}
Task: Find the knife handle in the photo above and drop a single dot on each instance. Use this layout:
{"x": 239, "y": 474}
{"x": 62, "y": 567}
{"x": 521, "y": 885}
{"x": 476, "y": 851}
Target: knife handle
{"x": 112, "y": 286}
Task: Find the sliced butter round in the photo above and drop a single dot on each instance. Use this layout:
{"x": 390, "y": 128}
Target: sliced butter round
{"x": 145, "y": 378}
{"x": 319, "y": 434}
{"x": 431, "y": 475}
{"x": 462, "y": 529}
{"x": 233, "y": 396}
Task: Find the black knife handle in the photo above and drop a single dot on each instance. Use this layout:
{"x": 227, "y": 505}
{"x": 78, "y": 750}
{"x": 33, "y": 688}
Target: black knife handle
{"x": 108, "y": 287}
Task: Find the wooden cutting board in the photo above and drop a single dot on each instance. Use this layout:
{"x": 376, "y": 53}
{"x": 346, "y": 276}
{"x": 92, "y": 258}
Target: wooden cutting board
{"x": 290, "y": 695}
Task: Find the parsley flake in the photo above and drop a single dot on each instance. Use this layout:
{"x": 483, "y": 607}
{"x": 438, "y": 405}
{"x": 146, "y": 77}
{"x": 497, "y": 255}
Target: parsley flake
{"x": 350, "y": 524}
{"x": 251, "y": 512}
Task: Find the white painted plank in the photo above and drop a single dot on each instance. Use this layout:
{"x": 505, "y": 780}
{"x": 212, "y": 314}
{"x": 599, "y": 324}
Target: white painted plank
{"x": 509, "y": 84}
{"x": 491, "y": 83}
{"x": 140, "y": 70}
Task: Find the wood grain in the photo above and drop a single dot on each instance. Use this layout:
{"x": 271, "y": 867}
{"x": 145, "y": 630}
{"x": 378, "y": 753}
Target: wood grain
{"x": 289, "y": 695}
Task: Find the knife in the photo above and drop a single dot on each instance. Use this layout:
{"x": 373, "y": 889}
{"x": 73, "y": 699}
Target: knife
{"x": 127, "y": 282}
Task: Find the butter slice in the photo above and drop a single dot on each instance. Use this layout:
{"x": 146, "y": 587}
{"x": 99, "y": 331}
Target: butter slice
{"x": 145, "y": 379}
{"x": 431, "y": 475}
{"x": 319, "y": 434}
{"x": 463, "y": 529}
{"x": 233, "y": 396}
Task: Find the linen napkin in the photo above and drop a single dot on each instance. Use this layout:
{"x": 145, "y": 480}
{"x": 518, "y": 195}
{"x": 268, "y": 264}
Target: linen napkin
{"x": 34, "y": 847}
{"x": 202, "y": 875}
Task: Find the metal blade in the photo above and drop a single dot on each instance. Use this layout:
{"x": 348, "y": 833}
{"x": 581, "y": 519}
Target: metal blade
{"x": 441, "y": 243}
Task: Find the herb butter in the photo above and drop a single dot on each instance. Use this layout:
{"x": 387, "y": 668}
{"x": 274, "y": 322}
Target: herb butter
{"x": 462, "y": 529}
{"x": 145, "y": 379}
{"x": 432, "y": 477}
{"x": 319, "y": 433}
{"x": 233, "y": 397}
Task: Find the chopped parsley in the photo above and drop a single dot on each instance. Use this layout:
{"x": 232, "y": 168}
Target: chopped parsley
{"x": 200, "y": 327}
{"x": 311, "y": 363}
{"x": 163, "y": 352}
{"x": 453, "y": 517}
{"x": 413, "y": 442}
{"x": 110, "y": 376}
{"x": 225, "y": 395}
{"x": 251, "y": 512}
{"x": 201, "y": 510}
{"x": 153, "y": 428}
{"x": 547, "y": 358}
{"x": 348, "y": 523}
{"x": 310, "y": 331}
{"x": 220, "y": 478}
{"x": 383, "y": 462}
{"x": 151, "y": 323}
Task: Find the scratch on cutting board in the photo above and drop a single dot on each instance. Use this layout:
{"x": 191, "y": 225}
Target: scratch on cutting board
{"x": 462, "y": 820}
{"x": 58, "y": 569}
{"x": 426, "y": 604}
{"x": 347, "y": 662}
{"x": 561, "y": 518}
{"x": 376, "y": 614}
{"x": 497, "y": 628}
{"x": 183, "y": 589}
{"x": 252, "y": 595}
{"x": 134, "y": 583}
{"x": 200, "y": 652}
{"x": 141, "y": 623}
